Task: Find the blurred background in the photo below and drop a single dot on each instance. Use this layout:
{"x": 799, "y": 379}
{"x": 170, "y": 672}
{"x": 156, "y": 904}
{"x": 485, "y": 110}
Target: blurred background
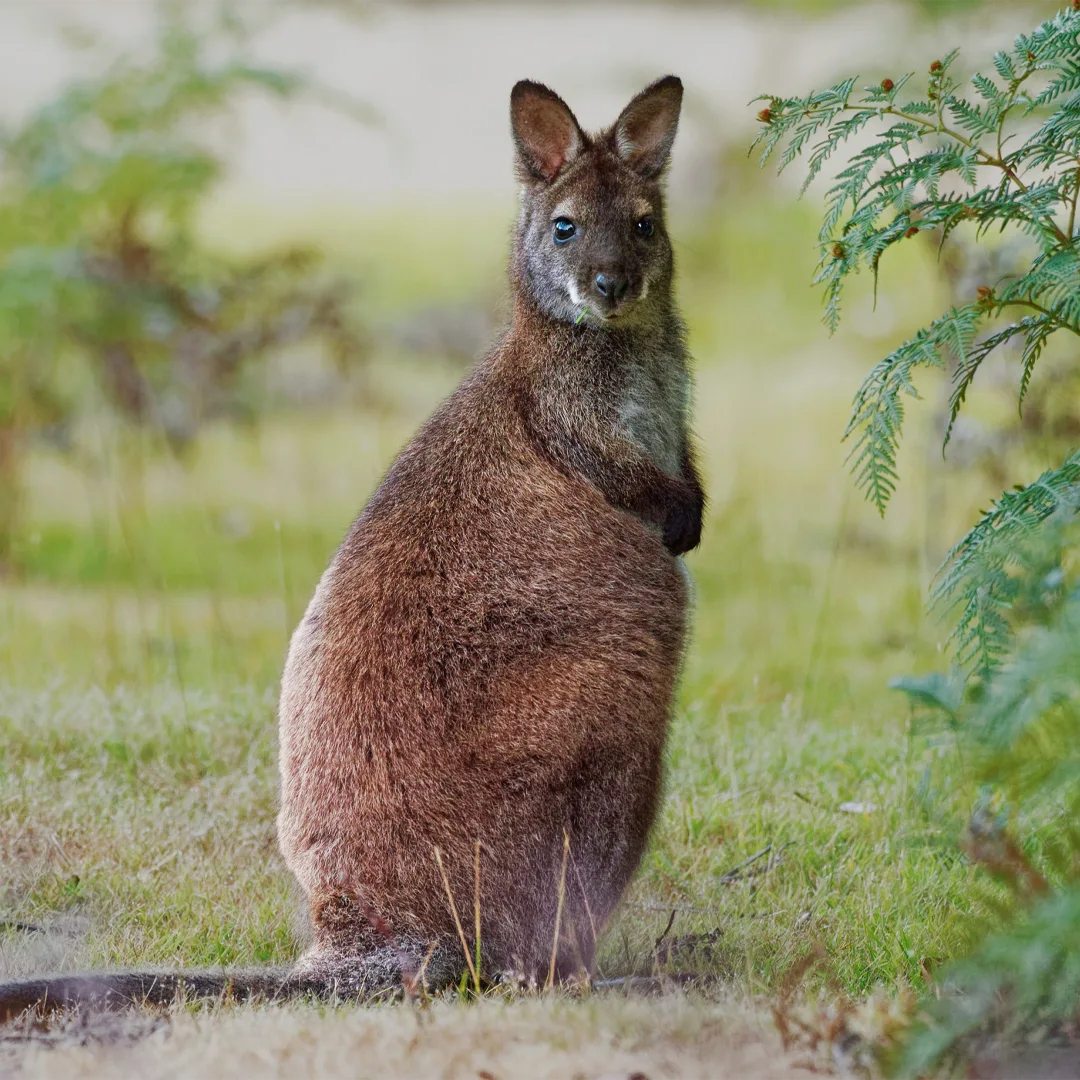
{"x": 245, "y": 250}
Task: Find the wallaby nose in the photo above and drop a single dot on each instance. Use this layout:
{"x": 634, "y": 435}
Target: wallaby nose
{"x": 611, "y": 286}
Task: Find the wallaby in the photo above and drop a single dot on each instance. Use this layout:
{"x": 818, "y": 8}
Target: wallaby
{"x": 477, "y": 699}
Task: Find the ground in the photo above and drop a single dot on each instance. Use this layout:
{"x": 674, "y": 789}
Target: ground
{"x": 807, "y": 813}
{"x": 602, "y": 1039}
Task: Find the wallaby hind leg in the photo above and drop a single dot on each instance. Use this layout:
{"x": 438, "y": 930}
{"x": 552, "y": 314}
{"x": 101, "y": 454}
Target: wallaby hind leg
{"x": 356, "y": 956}
{"x": 577, "y": 746}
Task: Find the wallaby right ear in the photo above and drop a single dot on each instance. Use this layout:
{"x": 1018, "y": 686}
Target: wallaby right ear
{"x": 646, "y": 128}
{"x": 546, "y": 134}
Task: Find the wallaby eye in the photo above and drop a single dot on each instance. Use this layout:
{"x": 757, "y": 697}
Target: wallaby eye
{"x": 564, "y": 230}
{"x": 645, "y": 228}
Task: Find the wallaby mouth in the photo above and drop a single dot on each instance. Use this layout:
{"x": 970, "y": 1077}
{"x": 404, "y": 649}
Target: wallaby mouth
{"x": 609, "y": 299}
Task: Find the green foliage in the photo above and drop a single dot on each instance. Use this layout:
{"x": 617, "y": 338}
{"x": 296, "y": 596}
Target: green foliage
{"x": 1020, "y": 729}
{"x": 985, "y": 574}
{"x": 1021, "y": 721}
{"x": 1035, "y": 965}
{"x": 107, "y": 294}
{"x": 1003, "y": 155}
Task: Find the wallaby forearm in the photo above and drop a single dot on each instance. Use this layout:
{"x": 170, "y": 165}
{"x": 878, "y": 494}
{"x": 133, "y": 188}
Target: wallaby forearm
{"x": 672, "y": 504}
{"x": 630, "y": 481}
{"x": 696, "y": 502}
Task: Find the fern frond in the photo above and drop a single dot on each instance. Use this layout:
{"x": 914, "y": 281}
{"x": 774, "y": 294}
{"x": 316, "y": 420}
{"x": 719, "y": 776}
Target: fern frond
{"x": 1033, "y": 347}
{"x": 969, "y": 363}
{"x": 935, "y": 162}
{"x": 989, "y": 91}
{"x": 975, "y": 578}
{"x": 877, "y": 412}
{"x": 839, "y": 134}
{"x": 938, "y": 161}
{"x": 1067, "y": 81}
{"x": 1044, "y": 670}
{"x": 976, "y": 119}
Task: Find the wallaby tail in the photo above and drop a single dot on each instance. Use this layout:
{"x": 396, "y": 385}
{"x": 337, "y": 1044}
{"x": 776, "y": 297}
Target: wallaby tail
{"x": 363, "y": 976}
{"x": 126, "y": 989}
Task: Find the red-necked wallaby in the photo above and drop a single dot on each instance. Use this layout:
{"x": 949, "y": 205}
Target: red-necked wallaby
{"x": 479, "y": 692}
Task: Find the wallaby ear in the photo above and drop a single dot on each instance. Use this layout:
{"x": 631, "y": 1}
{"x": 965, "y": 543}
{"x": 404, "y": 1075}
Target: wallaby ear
{"x": 546, "y": 135}
{"x": 646, "y": 128}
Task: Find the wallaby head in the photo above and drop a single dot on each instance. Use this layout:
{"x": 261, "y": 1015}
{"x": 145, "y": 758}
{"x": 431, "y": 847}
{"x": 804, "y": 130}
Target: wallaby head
{"x": 591, "y": 240}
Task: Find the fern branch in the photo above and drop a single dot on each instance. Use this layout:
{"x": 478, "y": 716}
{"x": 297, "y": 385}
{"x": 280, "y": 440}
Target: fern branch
{"x": 1053, "y": 316}
{"x": 974, "y": 579}
{"x": 877, "y": 412}
{"x": 1072, "y": 204}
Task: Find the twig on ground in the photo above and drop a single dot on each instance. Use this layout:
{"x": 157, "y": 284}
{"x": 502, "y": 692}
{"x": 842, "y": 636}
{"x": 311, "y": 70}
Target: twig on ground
{"x": 734, "y": 873}
{"x": 737, "y": 873}
{"x": 689, "y": 909}
{"x": 667, "y": 929}
{"x": 653, "y": 984}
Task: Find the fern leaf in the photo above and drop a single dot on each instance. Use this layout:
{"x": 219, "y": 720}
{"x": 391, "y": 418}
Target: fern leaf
{"x": 974, "y": 118}
{"x": 973, "y": 577}
{"x": 1003, "y": 65}
{"x": 968, "y": 365}
{"x": 877, "y": 412}
{"x": 1034, "y": 344}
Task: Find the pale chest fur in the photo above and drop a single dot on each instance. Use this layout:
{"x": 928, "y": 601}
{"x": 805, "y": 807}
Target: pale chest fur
{"x": 653, "y": 410}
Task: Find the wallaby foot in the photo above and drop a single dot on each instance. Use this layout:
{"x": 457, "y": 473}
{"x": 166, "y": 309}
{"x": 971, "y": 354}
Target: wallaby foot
{"x": 405, "y": 967}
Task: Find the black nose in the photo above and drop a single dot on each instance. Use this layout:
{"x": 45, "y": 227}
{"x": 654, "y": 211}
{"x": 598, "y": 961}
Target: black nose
{"x": 611, "y": 286}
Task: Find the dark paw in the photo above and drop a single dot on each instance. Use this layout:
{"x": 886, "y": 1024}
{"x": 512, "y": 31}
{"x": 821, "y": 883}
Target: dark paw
{"x": 682, "y": 529}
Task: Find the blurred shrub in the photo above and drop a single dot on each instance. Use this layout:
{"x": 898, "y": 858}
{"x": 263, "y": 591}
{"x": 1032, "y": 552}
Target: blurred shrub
{"x": 108, "y": 297}
{"x": 1019, "y": 730}
{"x": 1004, "y": 157}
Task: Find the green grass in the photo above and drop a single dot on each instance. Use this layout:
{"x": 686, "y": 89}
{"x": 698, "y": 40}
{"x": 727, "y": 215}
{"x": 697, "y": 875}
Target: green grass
{"x": 140, "y": 650}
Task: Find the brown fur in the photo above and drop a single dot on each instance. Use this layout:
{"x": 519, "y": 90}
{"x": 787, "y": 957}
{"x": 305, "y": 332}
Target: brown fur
{"x": 491, "y": 656}
{"x": 488, "y": 663}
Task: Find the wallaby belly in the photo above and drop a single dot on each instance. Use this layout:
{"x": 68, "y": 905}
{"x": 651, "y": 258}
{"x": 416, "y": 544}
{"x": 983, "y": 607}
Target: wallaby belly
{"x": 486, "y": 671}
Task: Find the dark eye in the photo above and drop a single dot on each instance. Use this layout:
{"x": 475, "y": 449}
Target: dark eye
{"x": 645, "y": 228}
{"x": 564, "y": 230}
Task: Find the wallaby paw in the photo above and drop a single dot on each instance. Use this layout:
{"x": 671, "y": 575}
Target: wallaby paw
{"x": 384, "y": 971}
{"x": 682, "y": 529}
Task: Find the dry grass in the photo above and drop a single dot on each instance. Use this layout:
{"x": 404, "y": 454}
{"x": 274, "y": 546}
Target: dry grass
{"x": 598, "y": 1038}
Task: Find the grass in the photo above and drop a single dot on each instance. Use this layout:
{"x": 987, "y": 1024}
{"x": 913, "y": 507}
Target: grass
{"x": 140, "y": 650}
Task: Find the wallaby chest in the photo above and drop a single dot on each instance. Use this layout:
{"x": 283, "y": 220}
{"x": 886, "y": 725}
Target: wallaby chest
{"x": 652, "y": 409}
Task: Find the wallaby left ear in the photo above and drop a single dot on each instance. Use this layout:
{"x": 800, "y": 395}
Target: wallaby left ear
{"x": 646, "y": 128}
